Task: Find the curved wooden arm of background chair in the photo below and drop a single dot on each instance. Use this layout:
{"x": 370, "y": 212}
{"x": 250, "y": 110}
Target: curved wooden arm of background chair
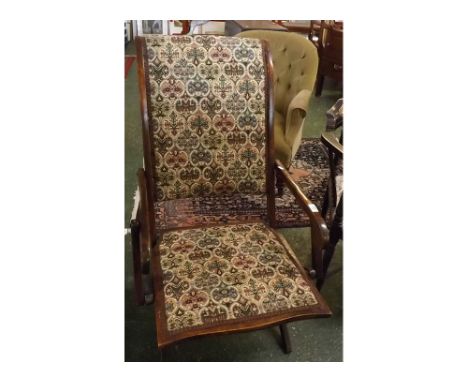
{"x": 331, "y": 142}
{"x": 185, "y": 26}
{"x": 319, "y": 231}
{"x": 335, "y": 115}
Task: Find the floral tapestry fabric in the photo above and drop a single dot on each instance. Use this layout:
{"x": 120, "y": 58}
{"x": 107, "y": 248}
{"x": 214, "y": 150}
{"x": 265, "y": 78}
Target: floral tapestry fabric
{"x": 206, "y": 102}
{"x": 228, "y": 273}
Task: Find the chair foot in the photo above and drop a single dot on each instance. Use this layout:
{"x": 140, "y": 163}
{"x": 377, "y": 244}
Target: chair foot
{"x": 285, "y": 337}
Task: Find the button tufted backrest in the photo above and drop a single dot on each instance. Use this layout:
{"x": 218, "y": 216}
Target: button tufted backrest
{"x": 295, "y": 64}
{"x": 206, "y": 114}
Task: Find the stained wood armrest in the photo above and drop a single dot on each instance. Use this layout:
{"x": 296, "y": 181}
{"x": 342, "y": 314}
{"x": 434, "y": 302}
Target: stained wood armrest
{"x": 331, "y": 142}
{"x": 319, "y": 230}
{"x": 335, "y": 115}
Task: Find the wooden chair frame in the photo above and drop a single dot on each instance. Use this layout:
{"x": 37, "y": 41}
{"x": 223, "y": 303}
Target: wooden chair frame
{"x": 330, "y": 35}
{"x": 335, "y": 153}
{"x": 146, "y": 237}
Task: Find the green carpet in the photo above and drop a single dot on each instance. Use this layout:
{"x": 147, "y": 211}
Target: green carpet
{"x": 312, "y": 340}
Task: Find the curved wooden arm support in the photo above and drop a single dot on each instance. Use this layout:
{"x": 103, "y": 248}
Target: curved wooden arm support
{"x": 335, "y": 116}
{"x": 318, "y": 226}
{"x": 319, "y": 231}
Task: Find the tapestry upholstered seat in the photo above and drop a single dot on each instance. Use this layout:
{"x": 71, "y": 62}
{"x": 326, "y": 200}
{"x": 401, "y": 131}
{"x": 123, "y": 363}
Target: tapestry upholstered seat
{"x": 206, "y": 105}
{"x": 229, "y": 274}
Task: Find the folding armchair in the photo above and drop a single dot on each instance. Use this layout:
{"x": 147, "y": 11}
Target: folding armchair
{"x": 207, "y": 116}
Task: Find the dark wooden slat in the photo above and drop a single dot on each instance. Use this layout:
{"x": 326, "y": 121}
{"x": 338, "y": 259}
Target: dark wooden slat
{"x": 286, "y": 339}
{"x": 269, "y": 130}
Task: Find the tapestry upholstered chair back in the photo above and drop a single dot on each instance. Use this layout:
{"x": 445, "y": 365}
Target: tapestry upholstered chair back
{"x": 206, "y": 114}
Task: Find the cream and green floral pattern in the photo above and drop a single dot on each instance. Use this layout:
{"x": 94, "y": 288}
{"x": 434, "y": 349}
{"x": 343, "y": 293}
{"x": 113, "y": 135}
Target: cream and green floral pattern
{"x": 206, "y": 101}
{"x": 231, "y": 272}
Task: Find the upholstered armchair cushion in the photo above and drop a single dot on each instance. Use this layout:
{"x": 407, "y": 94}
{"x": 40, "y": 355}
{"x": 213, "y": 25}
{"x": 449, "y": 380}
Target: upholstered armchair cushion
{"x": 295, "y": 63}
{"x": 295, "y": 116}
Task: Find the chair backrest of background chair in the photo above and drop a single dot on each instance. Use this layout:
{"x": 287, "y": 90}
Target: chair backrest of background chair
{"x": 295, "y": 64}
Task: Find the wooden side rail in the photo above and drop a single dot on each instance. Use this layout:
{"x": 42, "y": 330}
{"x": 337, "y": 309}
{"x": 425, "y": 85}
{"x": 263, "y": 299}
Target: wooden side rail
{"x": 318, "y": 228}
{"x": 141, "y": 229}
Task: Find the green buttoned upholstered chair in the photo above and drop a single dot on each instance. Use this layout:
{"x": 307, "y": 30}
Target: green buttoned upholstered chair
{"x": 295, "y": 64}
{"x": 206, "y": 105}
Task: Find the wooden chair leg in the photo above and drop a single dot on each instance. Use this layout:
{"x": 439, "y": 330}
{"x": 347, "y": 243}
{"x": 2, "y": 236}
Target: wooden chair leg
{"x": 329, "y": 251}
{"x": 280, "y": 186}
{"x": 335, "y": 236}
{"x": 319, "y": 85}
{"x": 137, "y": 273}
{"x": 285, "y": 337}
{"x": 325, "y": 203}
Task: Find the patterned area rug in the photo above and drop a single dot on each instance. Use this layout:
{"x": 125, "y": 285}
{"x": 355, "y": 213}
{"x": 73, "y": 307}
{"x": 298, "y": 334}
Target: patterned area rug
{"x": 128, "y": 64}
{"x": 311, "y": 157}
